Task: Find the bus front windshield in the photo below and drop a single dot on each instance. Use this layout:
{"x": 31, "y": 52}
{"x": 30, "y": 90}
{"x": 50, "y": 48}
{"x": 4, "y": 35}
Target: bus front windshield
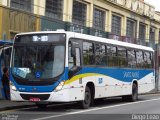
{"x": 38, "y": 62}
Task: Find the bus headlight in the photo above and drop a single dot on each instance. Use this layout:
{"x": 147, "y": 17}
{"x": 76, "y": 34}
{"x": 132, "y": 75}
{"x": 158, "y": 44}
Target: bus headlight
{"x": 60, "y": 86}
{"x": 12, "y": 86}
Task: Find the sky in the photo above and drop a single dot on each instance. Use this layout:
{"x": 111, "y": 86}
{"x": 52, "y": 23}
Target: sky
{"x": 155, "y": 3}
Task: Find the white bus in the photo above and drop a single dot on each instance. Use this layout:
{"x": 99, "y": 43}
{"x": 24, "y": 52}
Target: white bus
{"x": 60, "y": 66}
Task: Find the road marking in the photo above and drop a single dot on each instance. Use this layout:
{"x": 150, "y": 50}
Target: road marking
{"x": 94, "y": 109}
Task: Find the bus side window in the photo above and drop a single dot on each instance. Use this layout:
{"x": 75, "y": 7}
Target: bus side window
{"x": 74, "y": 62}
{"x": 112, "y": 56}
{"x": 6, "y": 55}
{"x": 147, "y": 60}
{"x": 100, "y": 55}
{"x": 88, "y": 53}
{"x": 139, "y": 59}
{"x": 122, "y": 57}
{"x": 131, "y": 59}
{"x": 70, "y": 59}
{"x": 152, "y": 60}
{"x": 77, "y": 59}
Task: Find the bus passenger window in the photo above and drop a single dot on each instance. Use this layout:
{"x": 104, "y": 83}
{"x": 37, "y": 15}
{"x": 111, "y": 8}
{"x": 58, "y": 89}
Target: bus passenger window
{"x": 88, "y": 53}
{"x": 112, "y": 56}
{"x": 74, "y": 62}
{"x": 100, "y": 52}
{"x": 122, "y": 57}
{"x": 131, "y": 59}
{"x": 77, "y": 59}
{"x": 139, "y": 59}
{"x": 147, "y": 60}
{"x": 70, "y": 59}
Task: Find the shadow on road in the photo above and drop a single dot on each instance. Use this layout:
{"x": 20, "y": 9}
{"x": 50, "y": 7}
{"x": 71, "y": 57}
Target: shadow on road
{"x": 67, "y": 107}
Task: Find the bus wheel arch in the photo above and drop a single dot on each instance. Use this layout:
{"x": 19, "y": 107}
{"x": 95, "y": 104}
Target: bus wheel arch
{"x": 134, "y": 93}
{"x": 92, "y": 88}
{"x": 88, "y": 96}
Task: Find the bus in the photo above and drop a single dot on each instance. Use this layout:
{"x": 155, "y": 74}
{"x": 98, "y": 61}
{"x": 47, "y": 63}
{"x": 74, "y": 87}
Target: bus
{"x": 61, "y": 66}
{"x": 5, "y": 54}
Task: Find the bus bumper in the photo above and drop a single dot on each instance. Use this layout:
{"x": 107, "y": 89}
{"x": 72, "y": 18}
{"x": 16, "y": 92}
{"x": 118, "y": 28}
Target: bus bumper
{"x": 64, "y": 95}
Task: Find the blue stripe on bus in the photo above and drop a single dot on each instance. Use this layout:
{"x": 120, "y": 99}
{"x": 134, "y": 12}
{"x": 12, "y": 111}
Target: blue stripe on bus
{"x": 125, "y": 75}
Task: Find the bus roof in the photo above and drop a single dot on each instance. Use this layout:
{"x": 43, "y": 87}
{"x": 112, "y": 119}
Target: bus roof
{"x": 93, "y": 38}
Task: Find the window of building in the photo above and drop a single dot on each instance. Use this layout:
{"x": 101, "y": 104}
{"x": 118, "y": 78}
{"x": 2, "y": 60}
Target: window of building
{"x": 152, "y": 37}
{"x": 88, "y": 53}
{"x": 79, "y": 13}
{"x": 25, "y": 5}
{"x": 99, "y": 19}
{"x": 54, "y": 9}
{"x": 100, "y": 55}
{"x": 131, "y": 31}
{"x": 116, "y": 25}
{"x": 142, "y": 34}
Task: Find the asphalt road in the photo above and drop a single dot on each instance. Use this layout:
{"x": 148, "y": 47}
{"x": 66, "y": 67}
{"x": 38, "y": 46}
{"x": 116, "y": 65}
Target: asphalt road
{"x": 146, "y": 108}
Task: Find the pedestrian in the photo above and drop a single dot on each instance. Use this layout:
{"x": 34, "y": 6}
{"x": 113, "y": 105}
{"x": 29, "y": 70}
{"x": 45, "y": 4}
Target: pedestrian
{"x": 5, "y": 82}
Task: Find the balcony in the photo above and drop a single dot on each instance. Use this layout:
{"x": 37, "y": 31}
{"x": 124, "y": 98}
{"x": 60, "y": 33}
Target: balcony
{"x": 137, "y": 6}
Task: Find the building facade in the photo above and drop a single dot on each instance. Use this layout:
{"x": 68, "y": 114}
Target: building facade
{"x": 132, "y": 21}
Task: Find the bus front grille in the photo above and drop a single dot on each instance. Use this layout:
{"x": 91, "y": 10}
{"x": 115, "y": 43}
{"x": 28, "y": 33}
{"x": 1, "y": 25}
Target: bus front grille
{"x": 40, "y": 96}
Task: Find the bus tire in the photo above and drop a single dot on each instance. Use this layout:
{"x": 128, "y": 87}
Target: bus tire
{"x": 85, "y": 104}
{"x": 41, "y": 106}
{"x": 134, "y": 96}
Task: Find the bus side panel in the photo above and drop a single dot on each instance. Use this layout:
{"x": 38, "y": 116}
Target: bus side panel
{"x": 146, "y": 84}
{"x": 111, "y": 87}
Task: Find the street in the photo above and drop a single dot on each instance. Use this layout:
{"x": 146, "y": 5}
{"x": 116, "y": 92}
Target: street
{"x": 146, "y": 108}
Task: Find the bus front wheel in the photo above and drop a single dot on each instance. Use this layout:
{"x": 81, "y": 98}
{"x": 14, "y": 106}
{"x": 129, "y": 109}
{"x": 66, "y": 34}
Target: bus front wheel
{"x": 87, "y": 99}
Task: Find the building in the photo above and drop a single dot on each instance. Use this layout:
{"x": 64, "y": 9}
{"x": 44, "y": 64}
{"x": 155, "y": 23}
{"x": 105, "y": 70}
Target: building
{"x": 131, "y": 21}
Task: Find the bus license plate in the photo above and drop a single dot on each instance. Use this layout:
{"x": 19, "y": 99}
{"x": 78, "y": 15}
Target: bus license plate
{"x": 34, "y": 99}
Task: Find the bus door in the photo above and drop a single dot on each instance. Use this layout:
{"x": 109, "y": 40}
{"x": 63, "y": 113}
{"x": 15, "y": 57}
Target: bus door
{"x": 74, "y": 57}
{"x": 5, "y": 55}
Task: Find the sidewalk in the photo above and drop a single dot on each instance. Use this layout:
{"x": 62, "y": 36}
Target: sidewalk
{"x": 9, "y": 105}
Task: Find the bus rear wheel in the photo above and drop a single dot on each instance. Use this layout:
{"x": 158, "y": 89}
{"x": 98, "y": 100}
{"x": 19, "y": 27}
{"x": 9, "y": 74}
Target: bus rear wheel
{"x": 134, "y": 96}
{"x": 85, "y": 104}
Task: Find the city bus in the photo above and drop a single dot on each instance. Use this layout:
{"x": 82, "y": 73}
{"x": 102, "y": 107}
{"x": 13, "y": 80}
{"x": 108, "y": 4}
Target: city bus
{"x": 5, "y": 54}
{"x": 61, "y": 66}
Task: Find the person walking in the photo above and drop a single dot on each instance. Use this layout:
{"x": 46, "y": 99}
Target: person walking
{"x": 5, "y": 82}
